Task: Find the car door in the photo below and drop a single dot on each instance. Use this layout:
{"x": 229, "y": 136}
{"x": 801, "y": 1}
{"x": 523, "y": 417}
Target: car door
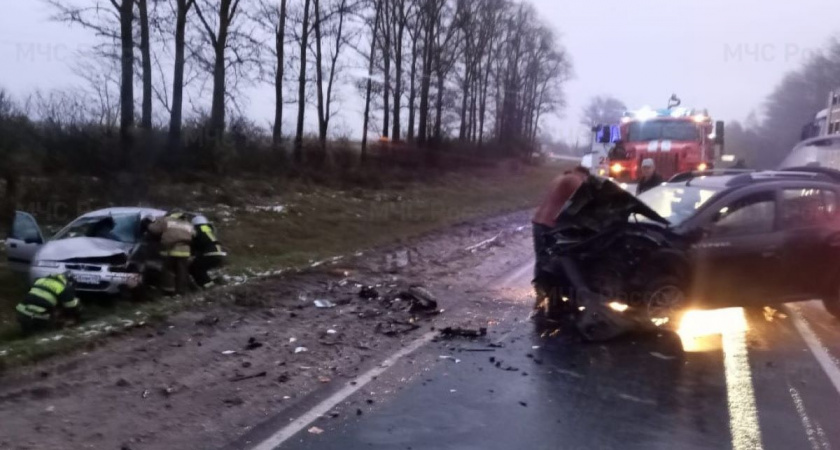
{"x": 738, "y": 259}
{"x": 811, "y": 251}
{"x": 24, "y": 240}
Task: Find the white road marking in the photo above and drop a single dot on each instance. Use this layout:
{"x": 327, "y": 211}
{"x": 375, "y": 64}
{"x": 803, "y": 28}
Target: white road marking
{"x": 826, "y": 361}
{"x": 813, "y": 430}
{"x": 325, "y": 406}
{"x": 284, "y": 434}
{"x": 743, "y": 414}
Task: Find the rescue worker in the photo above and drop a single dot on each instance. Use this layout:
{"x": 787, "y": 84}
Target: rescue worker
{"x": 207, "y": 252}
{"x": 545, "y": 219}
{"x": 175, "y": 233}
{"x": 649, "y": 179}
{"x": 49, "y": 301}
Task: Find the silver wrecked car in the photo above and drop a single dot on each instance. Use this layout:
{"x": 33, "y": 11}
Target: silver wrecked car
{"x": 102, "y": 249}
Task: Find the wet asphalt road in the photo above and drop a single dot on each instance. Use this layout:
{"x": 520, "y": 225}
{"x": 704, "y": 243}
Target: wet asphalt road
{"x": 769, "y": 390}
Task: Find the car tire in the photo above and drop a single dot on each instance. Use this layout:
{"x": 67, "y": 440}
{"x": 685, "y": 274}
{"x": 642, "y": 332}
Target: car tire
{"x": 664, "y": 297}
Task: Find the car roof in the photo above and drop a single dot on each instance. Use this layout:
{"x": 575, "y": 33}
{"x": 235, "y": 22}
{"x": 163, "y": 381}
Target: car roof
{"x": 121, "y": 210}
{"x": 725, "y": 179}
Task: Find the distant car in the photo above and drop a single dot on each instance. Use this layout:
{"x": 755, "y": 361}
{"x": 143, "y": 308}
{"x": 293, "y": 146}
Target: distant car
{"x": 102, "y": 249}
{"x": 710, "y": 239}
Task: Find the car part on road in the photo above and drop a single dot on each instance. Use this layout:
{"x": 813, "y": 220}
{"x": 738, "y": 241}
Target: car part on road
{"x": 450, "y": 332}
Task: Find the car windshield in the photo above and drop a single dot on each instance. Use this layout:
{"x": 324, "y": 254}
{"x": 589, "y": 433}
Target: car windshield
{"x": 119, "y": 227}
{"x": 822, "y": 153}
{"x": 676, "y": 203}
{"x": 662, "y": 129}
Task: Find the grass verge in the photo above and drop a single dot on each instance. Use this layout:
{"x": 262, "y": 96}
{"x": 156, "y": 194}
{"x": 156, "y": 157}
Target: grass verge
{"x": 293, "y": 231}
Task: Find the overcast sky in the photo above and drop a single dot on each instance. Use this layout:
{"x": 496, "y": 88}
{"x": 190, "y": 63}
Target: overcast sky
{"x": 724, "y": 55}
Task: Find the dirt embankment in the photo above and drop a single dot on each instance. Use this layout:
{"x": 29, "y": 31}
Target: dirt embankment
{"x": 203, "y": 377}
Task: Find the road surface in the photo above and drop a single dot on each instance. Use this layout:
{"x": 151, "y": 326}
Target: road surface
{"x": 737, "y": 378}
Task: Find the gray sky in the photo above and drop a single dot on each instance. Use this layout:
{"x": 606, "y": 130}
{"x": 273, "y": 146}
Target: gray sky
{"x": 722, "y": 55}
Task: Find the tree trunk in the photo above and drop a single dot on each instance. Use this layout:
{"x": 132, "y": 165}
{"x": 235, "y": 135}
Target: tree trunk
{"x": 412, "y": 90}
{"x": 298, "y": 150}
{"x": 146, "y": 58}
{"x": 126, "y": 13}
{"x": 339, "y": 36}
{"x": 319, "y": 79}
{"x": 277, "y": 134}
{"x": 439, "y": 107}
{"x": 369, "y": 86}
{"x": 217, "y": 109}
{"x": 386, "y": 53}
{"x": 178, "y": 75}
{"x": 465, "y": 94}
{"x": 398, "y": 57}
{"x": 425, "y": 84}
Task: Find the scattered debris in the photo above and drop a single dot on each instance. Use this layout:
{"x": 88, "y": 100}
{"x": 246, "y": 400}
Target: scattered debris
{"x": 229, "y": 352}
{"x": 395, "y": 327}
{"x": 315, "y": 430}
{"x": 482, "y": 244}
{"x": 283, "y": 378}
{"x": 420, "y": 299}
{"x": 331, "y": 331}
{"x": 450, "y": 332}
{"x": 525, "y": 404}
{"x": 292, "y": 340}
{"x": 476, "y": 349}
{"x": 145, "y": 394}
{"x": 661, "y": 356}
{"x": 253, "y": 344}
{"x": 248, "y": 377}
{"x": 324, "y": 379}
{"x": 450, "y": 357}
{"x": 369, "y": 401}
{"x": 358, "y": 411}
{"x": 234, "y": 401}
{"x": 50, "y": 409}
{"x": 301, "y": 350}
{"x": 122, "y": 382}
{"x": 324, "y": 304}
{"x": 368, "y": 293}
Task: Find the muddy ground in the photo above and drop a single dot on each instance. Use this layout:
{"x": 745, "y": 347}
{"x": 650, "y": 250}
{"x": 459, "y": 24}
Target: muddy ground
{"x": 202, "y": 378}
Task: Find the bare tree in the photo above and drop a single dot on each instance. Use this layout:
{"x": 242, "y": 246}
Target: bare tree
{"x": 112, "y": 20}
{"x": 602, "y": 109}
{"x": 182, "y": 11}
{"x": 369, "y": 82}
{"x": 334, "y": 24}
{"x": 304, "y": 37}
{"x": 146, "y": 63}
{"x": 272, "y": 18}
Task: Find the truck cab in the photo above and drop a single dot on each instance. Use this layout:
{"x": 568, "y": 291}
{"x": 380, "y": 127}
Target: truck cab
{"x": 677, "y": 139}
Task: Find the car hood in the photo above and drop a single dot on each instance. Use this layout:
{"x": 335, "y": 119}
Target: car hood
{"x": 82, "y": 247}
{"x": 600, "y": 203}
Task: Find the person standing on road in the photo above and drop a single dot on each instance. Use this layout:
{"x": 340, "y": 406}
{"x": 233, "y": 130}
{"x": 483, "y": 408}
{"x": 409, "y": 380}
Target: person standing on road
{"x": 650, "y": 178}
{"x": 545, "y": 219}
{"x": 176, "y": 234}
{"x": 207, "y": 251}
{"x": 50, "y": 300}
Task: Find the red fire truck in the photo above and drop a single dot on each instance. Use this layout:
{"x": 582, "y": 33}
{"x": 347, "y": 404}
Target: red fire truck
{"x": 677, "y": 139}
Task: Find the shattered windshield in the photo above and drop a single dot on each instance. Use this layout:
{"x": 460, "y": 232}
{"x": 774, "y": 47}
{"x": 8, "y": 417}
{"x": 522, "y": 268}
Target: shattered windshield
{"x": 122, "y": 228}
{"x": 676, "y": 203}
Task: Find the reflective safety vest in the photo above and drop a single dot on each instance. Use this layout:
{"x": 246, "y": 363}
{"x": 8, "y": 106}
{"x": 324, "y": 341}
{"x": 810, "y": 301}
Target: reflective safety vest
{"x": 206, "y": 243}
{"x": 46, "y": 295}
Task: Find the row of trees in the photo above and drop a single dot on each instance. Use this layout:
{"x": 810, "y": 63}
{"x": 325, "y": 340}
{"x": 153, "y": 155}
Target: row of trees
{"x": 427, "y": 70}
{"x": 765, "y": 141}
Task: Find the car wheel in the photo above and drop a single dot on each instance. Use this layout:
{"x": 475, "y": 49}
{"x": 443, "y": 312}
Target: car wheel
{"x": 664, "y": 299}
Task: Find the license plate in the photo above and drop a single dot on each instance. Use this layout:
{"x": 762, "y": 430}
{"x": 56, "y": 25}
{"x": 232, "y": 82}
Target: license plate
{"x": 87, "y": 279}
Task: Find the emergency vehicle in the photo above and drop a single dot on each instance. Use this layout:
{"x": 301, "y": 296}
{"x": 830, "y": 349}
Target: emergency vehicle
{"x": 677, "y": 139}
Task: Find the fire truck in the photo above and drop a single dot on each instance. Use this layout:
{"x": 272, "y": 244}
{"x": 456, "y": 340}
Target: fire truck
{"x": 677, "y": 139}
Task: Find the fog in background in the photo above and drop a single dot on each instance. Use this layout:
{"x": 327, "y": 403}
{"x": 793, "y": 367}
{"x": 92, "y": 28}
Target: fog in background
{"x": 722, "y": 55}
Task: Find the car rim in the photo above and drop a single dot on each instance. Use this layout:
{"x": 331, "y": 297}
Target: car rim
{"x": 665, "y": 302}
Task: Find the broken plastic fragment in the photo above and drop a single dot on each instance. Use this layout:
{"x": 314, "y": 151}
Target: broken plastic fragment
{"x": 315, "y": 430}
{"x": 331, "y": 332}
{"x": 324, "y": 304}
{"x": 228, "y": 352}
{"x": 301, "y": 350}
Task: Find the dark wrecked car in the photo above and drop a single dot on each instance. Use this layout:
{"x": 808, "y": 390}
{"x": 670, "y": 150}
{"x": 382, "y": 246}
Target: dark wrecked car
{"x": 103, "y": 249}
{"x": 707, "y": 239}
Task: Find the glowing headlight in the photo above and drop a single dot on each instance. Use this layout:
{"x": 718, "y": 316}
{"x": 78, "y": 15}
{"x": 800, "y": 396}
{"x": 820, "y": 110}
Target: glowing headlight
{"x": 702, "y": 167}
{"x": 47, "y": 264}
{"x": 617, "y": 168}
{"x": 619, "y": 307}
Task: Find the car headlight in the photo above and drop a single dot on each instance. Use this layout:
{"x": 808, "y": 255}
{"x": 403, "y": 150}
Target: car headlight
{"x": 47, "y": 264}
